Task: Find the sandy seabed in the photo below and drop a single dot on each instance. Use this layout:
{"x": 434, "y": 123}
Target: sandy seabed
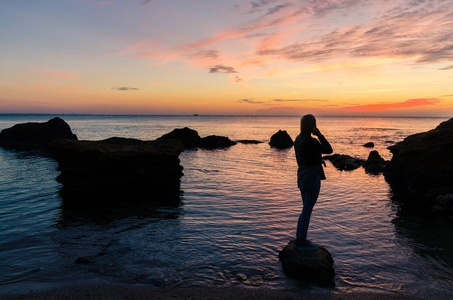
{"x": 123, "y": 292}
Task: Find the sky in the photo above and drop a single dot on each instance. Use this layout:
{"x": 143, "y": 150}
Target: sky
{"x": 259, "y": 57}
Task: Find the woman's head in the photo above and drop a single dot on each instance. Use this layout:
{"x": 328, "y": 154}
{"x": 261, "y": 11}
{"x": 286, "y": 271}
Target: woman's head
{"x": 307, "y": 123}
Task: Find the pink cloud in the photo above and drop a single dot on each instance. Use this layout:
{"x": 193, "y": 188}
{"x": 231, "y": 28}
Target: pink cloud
{"x": 416, "y": 30}
{"x": 386, "y": 106}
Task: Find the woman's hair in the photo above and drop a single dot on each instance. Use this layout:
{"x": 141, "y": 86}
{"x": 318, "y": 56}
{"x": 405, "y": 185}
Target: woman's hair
{"x": 307, "y": 123}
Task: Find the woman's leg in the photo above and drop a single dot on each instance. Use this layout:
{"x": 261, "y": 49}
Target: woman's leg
{"x": 309, "y": 197}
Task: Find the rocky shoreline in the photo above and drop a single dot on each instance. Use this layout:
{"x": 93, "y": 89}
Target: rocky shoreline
{"x": 420, "y": 172}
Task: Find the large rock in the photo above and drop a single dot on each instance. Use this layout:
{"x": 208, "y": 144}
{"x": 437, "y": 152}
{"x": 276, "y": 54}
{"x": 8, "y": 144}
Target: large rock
{"x": 281, "y": 140}
{"x": 187, "y": 136}
{"x": 119, "y": 168}
{"x": 421, "y": 169}
{"x": 313, "y": 267}
{"x": 344, "y": 162}
{"x": 215, "y": 142}
{"x": 191, "y": 139}
{"x": 35, "y": 135}
{"x": 368, "y": 145}
{"x": 375, "y": 164}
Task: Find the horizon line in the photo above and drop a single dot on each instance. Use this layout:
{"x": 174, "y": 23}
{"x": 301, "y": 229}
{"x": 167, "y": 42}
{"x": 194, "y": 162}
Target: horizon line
{"x": 212, "y": 115}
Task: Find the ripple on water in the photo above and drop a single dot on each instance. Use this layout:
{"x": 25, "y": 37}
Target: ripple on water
{"x": 239, "y": 208}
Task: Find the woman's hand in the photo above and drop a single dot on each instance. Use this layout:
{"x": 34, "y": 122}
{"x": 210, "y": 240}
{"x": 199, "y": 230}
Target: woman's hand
{"x": 316, "y": 131}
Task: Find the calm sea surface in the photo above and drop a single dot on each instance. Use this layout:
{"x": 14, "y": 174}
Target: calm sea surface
{"x": 238, "y": 209}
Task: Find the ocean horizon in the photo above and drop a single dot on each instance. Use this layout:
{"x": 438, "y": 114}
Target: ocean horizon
{"x": 239, "y": 207}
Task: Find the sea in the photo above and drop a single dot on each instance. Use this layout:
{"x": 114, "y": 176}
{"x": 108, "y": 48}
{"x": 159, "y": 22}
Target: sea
{"x": 239, "y": 207}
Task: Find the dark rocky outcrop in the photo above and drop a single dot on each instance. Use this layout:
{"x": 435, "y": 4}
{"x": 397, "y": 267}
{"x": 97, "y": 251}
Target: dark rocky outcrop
{"x": 119, "y": 168}
{"x": 187, "y": 136}
{"x": 249, "y": 142}
{"x": 281, "y": 140}
{"x": 215, "y": 142}
{"x": 375, "y": 164}
{"x": 312, "y": 267}
{"x": 35, "y": 135}
{"x": 344, "y": 162}
{"x": 421, "y": 169}
{"x": 191, "y": 139}
{"x": 368, "y": 145}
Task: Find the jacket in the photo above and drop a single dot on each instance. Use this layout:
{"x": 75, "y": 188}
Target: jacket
{"x": 309, "y": 158}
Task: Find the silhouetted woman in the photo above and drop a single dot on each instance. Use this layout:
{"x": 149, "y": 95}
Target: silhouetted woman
{"x": 309, "y": 174}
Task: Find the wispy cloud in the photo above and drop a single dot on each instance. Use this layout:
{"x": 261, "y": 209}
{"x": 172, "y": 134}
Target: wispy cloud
{"x": 125, "y": 88}
{"x": 386, "y": 106}
{"x": 146, "y": 2}
{"x": 447, "y": 68}
{"x": 212, "y": 54}
{"x": 420, "y": 30}
{"x": 299, "y": 100}
{"x": 250, "y": 101}
{"x": 221, "y": 69}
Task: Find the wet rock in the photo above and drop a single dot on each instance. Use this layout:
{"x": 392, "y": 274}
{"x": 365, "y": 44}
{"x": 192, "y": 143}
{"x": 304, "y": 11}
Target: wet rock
{"x": 191, "y": 139}
{"x": 119, "y": 168}
{"x": 35, "y": 135}
{"x": 215, "y": 142}
{"x": 375, "y": 164}
{"x": 422, "y": 165}
{"x": 331, "y": 157}
{"x": 187, "y": 136}
{"x": 241, "y": 277}
{"x": 85, "y": 260}
{"x": 312, "y": 267}
{"x": 281, "y": 140}
{"x": 346, "y": 162}
{"x": 368, "y": 145}
{"x": 249, "y": 142}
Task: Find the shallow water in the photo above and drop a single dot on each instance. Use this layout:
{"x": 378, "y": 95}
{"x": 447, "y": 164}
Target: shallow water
{"x": 238, "y": 209}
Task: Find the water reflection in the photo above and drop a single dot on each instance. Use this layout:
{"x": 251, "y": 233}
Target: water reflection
{"x": 109, "y": 207}
{"x": 427, "y": 237}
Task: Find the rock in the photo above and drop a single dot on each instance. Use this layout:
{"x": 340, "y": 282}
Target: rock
{"x": 281, "y": 140}
{"x": 346, "y": 162}
{"x": 331, "y": 157}
{"x": 36, "y": 135}
{"x": 375, "y": 169}
{"x": 191, "y": 139}
{"x": 85, "y": 260}
{"x": 313, "y": 267}
{"x": 368, "y": 145}
{"x": 375, "y": 164}
{"x": 119, "y": 169}
{"x": 422, "y": 165}
{"x": 249, "y": 142}
{"x": 441, "y": 201}
{"x": 215, "y": 142}
{"x": 241, "y": 277}
{"x": 187, "y": 136}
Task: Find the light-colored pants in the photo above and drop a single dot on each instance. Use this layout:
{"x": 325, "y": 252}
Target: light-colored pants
{"x": 309, "y": 196}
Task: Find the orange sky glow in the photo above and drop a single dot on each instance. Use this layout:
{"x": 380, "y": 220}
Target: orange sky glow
{"x": 260, "y": 57}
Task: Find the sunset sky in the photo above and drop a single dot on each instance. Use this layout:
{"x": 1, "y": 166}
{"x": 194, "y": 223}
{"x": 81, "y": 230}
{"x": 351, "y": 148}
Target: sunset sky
{"x": 271, "y": 57}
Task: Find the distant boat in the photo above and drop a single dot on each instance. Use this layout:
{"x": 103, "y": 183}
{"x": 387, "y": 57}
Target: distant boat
{"x": 195, "y": 115}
